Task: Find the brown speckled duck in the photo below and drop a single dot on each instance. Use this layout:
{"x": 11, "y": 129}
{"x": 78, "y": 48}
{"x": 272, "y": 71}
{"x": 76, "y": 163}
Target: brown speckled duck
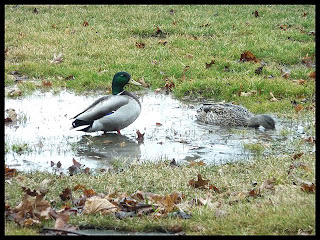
{"x": 227, "y": 114}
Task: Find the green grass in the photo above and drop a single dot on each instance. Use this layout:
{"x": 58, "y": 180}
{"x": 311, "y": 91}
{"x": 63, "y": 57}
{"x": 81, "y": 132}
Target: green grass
{"x": 108, "y": 43}
{"x": 282, "y": 212}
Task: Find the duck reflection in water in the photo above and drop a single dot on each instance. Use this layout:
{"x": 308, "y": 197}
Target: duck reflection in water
{"x": 108, "y": 147}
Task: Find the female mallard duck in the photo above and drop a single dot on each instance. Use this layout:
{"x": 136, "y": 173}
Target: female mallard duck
{"x": 226, "y": 114}
{"x": 113, "y": 112}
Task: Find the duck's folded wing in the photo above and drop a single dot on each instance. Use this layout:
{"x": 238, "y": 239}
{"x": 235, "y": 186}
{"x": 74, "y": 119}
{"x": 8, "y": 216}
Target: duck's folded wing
{"x": 102, "y": 107}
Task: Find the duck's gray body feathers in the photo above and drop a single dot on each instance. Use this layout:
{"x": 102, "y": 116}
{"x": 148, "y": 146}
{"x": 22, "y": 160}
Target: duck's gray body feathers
{"x": 226, "y": 114}
{"x": 109, "y": 113}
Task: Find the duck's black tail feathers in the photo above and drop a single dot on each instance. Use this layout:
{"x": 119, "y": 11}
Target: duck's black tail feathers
{"x": 78, "y": 123}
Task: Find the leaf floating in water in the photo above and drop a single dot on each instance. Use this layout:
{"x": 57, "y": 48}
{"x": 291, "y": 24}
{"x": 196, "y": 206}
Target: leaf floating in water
{"x": 59, "y": 164}
{"x": 140, "y": 136}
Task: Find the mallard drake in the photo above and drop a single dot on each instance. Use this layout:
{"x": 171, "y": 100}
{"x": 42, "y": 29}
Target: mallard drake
{"x": 226, "y": 114}
{"x": 113, "y": 112}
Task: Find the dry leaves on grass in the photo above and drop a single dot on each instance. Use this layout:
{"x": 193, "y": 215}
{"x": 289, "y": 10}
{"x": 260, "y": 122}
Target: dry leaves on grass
{"x": 194, "y": 163}
{"x": 32, "y": 210}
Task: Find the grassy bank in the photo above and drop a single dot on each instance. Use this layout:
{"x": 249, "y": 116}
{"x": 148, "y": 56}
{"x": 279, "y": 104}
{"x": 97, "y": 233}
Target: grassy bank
{"x": 270, "y": 195}
{"x": 98, "y": 41}
{"x": 282, "y": 208}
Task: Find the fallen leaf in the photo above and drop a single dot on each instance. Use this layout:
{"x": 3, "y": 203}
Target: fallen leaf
{"x": 122, "y": 144}
{"x": 58, "y": 164}
{"x": 247, "y": 94}
{"x": 174, "y": 23}
{"x": 71, "y": 77}
{"x": 189, "y": 55}
{"x": 85, "y": 23}
{"x": 312, "y": 75}
{"x": 159, "y": 31}
{"x": 205, "y": 25}
{"x": 62, "y": 221}
{"x": 158, "y": 124}
{"x": 301, "y": 165}
{"x": 140, "y": 135}
{"x": 57, "y": 59}
{"x": 256, "y": 14}
{"x": 305, "y": 232}
{"x": 79, "y": 186}
{"x": 10, "y": 172}
{"x": 200, "y": 183}
{"x": 273, "y": 99}
{"x": 11, "y": 115}
{"x": 308, "y": 187}
{"x": 299, "y": 81}
{"x": 140, "y": 45}
{"x": 304, "y": 14}
{"x": 169, "y": 85}
{"x": 310, "y": 140}
{"x": 89, "y": 192}
{"x": 308, "y": 61}
{"x": 66, "y": 194}
{"x": 258, "y": 70}
{"x": 313, "y": 33}
{"x": 194, "y": 163}
{"x": 193, "y": 37}
{"x": 107, "y": 141}
{"x": 284, "y": 26}
{"x": 286, "y": 75}
{"x": 46, "y": 83}
{"x": 208, "y": 65}
{"x": 162, "y": 42}
{"x": 248, "y": 56}
{"x": 297, "y": 155}
{"x": 268, "y": 184}
{"x": 298, "y": 108}
{"x": 75, "y": 163}
{"x": 86, "y": 170}
{"x": 144, "y": 84}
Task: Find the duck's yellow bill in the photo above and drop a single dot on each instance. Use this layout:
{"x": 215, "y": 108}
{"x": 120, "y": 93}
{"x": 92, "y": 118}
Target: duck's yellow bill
{"x": 133, "y": 82}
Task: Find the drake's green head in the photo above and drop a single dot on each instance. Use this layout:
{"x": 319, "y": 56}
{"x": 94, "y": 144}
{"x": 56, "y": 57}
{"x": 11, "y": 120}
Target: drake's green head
{"x": 120, "y": 79}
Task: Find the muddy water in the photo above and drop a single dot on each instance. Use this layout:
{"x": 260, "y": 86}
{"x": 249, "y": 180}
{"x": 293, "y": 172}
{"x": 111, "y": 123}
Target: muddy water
{"x": 170, "y": 127}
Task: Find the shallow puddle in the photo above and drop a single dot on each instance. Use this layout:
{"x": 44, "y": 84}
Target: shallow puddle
{"x": 170, "y": 127}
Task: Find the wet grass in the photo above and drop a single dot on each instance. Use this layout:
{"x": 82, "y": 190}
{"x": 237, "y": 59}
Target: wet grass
{"x": 93, "y": 53}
